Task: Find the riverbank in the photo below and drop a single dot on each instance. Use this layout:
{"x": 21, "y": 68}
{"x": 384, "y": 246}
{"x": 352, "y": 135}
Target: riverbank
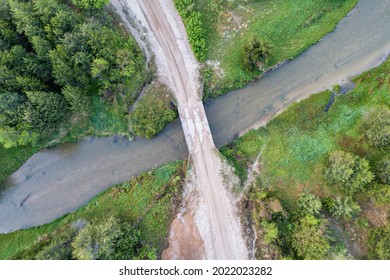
{"x": 287, "y": 28}
{"x": 153, "y": 196}
{"x": 295, "y": 147}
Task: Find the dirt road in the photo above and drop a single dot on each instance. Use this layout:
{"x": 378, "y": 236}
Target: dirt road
{"x": 223, "y": 224}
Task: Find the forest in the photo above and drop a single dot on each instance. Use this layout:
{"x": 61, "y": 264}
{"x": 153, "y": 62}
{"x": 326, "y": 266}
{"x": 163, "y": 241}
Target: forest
{"x": 62, "y": 66}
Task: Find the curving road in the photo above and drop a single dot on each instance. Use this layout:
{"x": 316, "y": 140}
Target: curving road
{"x": 57, "y": 181}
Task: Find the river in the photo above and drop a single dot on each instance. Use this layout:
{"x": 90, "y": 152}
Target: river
{"x": 59, "y": 180}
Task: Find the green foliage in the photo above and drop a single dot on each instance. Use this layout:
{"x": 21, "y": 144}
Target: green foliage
{"x": 383, "y": 170}
{"x": 377, "y": 126}
{"x": 58, "y": 59}
{"x": 44, "y": 110}
{"x": 270, "y": 232}
{"x": 309, "y": 204}
{"x": 342, "y": 207}
{"x": 194, "y": 26}
{"x": 380, "y": 193}
{"x": 255, "y": 54}
{"x": 152, "y": 113}
{"x": 379, "y": 240}
{"x": 308, "y": 239}
{"x": 96, "y": 241}
{"x": 349, "y": 171}
{"x": 90, "y": 4}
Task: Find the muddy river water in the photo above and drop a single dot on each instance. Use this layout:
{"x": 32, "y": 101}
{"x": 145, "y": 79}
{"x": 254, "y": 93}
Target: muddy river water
{"x": 59, "y": 180}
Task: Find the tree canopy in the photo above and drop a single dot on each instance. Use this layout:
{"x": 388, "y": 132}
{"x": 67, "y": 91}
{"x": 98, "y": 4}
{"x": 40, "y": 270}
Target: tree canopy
{"x": 52, "y": 61}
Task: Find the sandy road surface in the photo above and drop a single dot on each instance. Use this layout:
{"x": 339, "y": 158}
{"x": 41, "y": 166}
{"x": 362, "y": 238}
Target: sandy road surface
{"x": 226, "y": 241}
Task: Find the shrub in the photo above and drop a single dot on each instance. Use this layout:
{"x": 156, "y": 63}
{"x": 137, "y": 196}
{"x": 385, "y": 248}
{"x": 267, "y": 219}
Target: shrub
{"x": 152, "y": 113}
{"x": 308, "y": 239}
{"x": 383, "y": 170}
{"x": 90, "y": 4}
{"x": 342, "y": 207}
{"x": 377, "y": 126}
{"x": 194, "y": 26}
{"x": 378, "y": 242}
{"x": 255, "y": 54}
{"x": 380, "y": 193}
{"x": 95, "y": 241}
{"x": 270, "y": 232}
{"x": 309, "y": 204}
{"x": 349, "y": 171}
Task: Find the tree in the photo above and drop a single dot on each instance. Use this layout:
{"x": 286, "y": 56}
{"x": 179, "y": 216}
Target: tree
{"x": 152, "y": 113}
{"x": 255, "y": 54}
{"x": 383, "y": 170}
{"x": 270, "y": 232}
{"x": 45, "y": 109}
{"x": 308, "y": 239}
{"x": 344, "y": 207}
{"x": 349, "y": 171}
{"x": 309, "y": 204}
{"x": 96, "y": 240}
{"x": 377, "y": 126}
{"x": 378, "y": 241}
{"x": 90, "y": 4}
{"x": 380, "y": 193}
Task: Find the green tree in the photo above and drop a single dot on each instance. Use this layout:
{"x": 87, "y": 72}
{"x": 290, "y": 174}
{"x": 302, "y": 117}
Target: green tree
{"x": 308, "y": 239}
{"x": 344, "y": 207}
{"x": 270, "y": 232}
{"x": 45, "y": 109}
{"x": 151, "y": 114}
{"x": 378, "y": 241}
{"x": 255, "y": 54}
{"x": 383, "y": 170}
{"x": 96, "y": 240}
{"x": 309, "y": 204}
{"x": 377, "y": 126}
{"x": 349, "y": 171}
{"x": 380, "y": 193}
{"x": 90, "y": 4}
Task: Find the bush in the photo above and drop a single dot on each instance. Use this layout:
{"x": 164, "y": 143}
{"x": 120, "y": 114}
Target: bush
{"x": 255, "y": 54}
{"x": 194, "y": 26}
{"x": 270, "y": 232}
{"x": 90, "y": 4}
{"x": 380, "y": 193}
{"x": 308, "y": 239}
{"x": 95, "y": 241}
{"x": 152, "y": 113}
{"x": 383, "y": 170}
{"x": 378, "y": 242}
{"x": 342, "y": 207}
{"x": 309, "y": 204}
{"x": 377, "y": 126}
{"x": 349, "y": 171}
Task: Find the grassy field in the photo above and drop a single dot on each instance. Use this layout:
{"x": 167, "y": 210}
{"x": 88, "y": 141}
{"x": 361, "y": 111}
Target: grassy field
{"x": 296, "y": 144}
{"x": 146, "y": 202}
{"x": 288, "y": 27}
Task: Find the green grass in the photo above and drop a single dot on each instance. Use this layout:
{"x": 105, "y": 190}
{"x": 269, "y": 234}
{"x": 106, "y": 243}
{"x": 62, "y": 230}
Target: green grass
{"x": 288, "y": 26}
{"x": 298, "y": 142}
{"x": 145, "y": 201}
{"x": 12, "y": 159}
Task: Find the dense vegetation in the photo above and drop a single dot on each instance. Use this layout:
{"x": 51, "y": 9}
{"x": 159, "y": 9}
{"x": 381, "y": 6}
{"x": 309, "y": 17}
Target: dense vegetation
{"x": 129, "y": 221}
{"x": 54, "y": 62}
{"x": 65, "y": 74}
{"x": 323, "y": 190}
{"x": 193, "y": 21}
{"x": 259, "y": 34}
{"x": 153, "y": 112}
